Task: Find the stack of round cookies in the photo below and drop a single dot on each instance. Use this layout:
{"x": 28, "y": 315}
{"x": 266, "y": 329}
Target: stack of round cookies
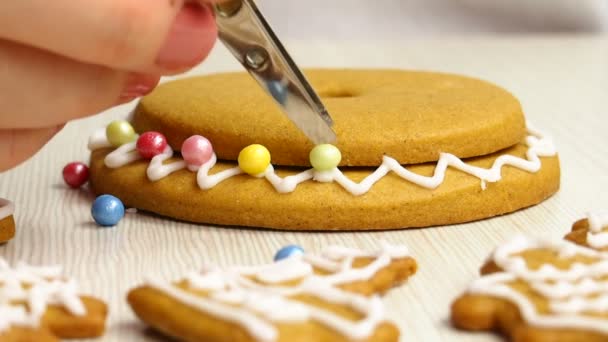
{"x": 414, "y": 149}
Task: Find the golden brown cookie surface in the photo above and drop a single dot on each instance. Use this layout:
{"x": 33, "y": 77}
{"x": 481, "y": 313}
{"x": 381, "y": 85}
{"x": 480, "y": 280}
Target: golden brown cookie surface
{"x": 392, "y": 202}
{"x": 533, "y": 290}
{"x": 410, "y": 116}
{"x": 16, "y": 334}
{"x": 7, "y": 229}
{"x": 332, "y": 297}
{"x": 39, "y": 304}
{"x": 7, "y": 221}
{"x": 65, "y": 325}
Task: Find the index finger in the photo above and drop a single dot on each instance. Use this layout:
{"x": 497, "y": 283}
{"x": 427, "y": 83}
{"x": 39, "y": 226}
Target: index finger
{"x": 153, "y": 36}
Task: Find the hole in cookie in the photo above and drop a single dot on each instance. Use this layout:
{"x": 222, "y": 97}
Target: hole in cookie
{"x": 336, "y": 93}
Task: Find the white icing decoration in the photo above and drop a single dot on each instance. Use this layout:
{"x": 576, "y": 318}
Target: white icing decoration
{"x": 7, "y": 208}
{"x": 206, "y": 181}
{"x": 235, "y": 297}
{"x": 248, "y": 320}
{"x": 571, "y": 293}
{"x": 596, "y": 237}
{"x": 562, "y": 289}
{"x": 98, "y": 140}
{"x": 289, "y": 268}
{"x": 578, "y": 304}
{"x": 46, "y": 287}
{"x": 539, "y": 146}
{"x": 122, "y": 156}
{"x": 157, "y": 170}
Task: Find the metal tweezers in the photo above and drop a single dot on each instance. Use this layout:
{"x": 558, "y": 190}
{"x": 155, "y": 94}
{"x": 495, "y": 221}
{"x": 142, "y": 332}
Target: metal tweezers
{"x": 245, "y": 32}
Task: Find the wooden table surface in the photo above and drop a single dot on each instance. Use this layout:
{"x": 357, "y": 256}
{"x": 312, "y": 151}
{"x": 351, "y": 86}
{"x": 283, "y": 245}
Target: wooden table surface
{"x": 562, "y": 83}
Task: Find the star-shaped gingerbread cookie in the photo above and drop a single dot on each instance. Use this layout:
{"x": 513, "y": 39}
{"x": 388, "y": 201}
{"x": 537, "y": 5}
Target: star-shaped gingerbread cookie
{"x": 331, "y": 297}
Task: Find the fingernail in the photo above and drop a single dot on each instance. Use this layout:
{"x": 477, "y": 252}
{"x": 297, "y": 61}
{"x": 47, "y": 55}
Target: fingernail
{"x": 138, "y": 85}
{"x": 190, "y": 39}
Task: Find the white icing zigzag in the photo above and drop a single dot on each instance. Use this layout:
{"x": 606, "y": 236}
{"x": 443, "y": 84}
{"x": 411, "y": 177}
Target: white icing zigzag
{"x": 539, "y": 146}
{"x": 597, "y": 237}
{"x": 7, "y": 208}
{"x": 236, "y": 297}
{"x": 46, "y": 287}
{"x": 572, "y": 293}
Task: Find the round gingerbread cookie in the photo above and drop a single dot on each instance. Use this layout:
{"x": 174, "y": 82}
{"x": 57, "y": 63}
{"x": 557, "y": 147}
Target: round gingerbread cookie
{"x": 409, "y": 115}
{"x": 7, "y": 222}
{"x": 250, "y": 189}
{"x": 389, "y": 197}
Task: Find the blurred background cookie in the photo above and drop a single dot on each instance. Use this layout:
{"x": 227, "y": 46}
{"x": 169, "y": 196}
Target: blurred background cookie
{"x": 7, "y": 221}
{"x": 37, "y": 303}
{"x": 591, "y": 231}
{"x": 539, "y": 290}
{"x": 329, "y": 297}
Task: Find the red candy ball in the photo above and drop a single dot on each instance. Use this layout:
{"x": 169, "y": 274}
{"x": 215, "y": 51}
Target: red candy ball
{"x": 75, "y": 174}
{"x": 151, "y": 144}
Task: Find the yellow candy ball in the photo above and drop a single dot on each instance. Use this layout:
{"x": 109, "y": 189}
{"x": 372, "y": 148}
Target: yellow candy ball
{"x": 120, "y": 132}
{"x": 254, "y": 159}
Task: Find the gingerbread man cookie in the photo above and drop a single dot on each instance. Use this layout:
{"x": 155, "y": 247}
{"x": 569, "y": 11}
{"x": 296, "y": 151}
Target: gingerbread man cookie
{"x": 331, "y": 297}
{"x": 534, "y": 290}
{"x": 39, "y": 304}
{"x": 7, "y": 222}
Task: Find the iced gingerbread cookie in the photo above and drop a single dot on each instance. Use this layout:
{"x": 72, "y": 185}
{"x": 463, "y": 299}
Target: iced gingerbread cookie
{"x": 414, "y": 149}
{"x": 39, "y": 304}
{"x": 331, "y": 297}
{"x": 534, "y": 290}
{"x": 591, "y": 231}
{"x": 7, "y": 222}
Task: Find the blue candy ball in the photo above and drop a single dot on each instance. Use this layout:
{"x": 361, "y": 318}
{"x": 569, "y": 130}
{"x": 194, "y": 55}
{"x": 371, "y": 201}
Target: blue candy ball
{"x": 278, "y": 91}
{"x": 288, "y": 251}
{"x": 107, "y": 210}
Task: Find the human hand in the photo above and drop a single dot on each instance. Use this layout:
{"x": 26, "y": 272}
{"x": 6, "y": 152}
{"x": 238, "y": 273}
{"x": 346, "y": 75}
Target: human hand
{"x": 65, "y": 59}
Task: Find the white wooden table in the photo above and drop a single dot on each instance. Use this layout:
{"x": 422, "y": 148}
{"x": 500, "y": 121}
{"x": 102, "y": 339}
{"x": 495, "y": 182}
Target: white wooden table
{"x": 561, "y": 81}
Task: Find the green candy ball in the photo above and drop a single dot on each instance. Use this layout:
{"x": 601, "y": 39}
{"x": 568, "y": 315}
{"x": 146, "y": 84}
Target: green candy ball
{"x": 120, "y": 132}
{"x": 325, "y": 157}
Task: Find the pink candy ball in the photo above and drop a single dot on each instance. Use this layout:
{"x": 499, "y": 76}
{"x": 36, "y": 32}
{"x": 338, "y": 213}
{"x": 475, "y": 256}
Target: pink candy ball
{"x": 197, "y": 150}
{"x": 151, "y": 144}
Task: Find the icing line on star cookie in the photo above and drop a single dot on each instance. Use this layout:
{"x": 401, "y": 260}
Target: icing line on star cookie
{"x": 46, "y": 287}
{"x": 570, "y": 292}
{"x": 7, "y": 208}
{"x": 236, "y": 296}
{"x": 596, "y": 237}
{"x": 538, "y": 144}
